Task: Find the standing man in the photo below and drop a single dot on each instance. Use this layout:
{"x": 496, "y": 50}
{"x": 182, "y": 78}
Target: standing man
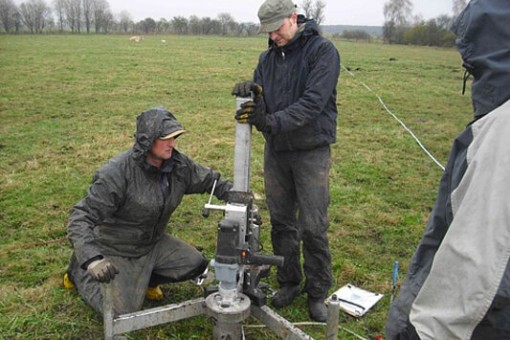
{"x": 458, "y": 283}
{"x": 294, "y": 106}
{"x": 119, "y": 230}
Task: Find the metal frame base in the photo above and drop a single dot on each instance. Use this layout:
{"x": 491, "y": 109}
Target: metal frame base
{"x": 114, "y": 326}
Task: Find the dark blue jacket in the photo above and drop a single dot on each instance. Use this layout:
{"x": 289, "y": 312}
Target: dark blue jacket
{"x": 299, "y": 81}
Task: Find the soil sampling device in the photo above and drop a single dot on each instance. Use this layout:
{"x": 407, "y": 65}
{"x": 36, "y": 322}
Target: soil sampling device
{"x": 238, "y": 268}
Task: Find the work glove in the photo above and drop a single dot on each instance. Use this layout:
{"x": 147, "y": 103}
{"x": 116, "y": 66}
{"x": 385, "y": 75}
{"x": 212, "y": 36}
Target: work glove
{"x": 102, "y": 270}
{"x": 253, "y": 112}
{"x": 246, "y": 89}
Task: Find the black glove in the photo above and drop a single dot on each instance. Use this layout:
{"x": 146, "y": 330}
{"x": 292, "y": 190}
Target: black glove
{"x": 246, "y": 89}
{"x": 102, "y": 270}
{"x": 253, "y": 112}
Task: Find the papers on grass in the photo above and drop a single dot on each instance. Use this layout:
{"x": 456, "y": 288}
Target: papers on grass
{"x": 356, "y": 301}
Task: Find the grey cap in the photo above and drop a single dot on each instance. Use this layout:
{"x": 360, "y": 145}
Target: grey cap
{"x": 273, "y": 12}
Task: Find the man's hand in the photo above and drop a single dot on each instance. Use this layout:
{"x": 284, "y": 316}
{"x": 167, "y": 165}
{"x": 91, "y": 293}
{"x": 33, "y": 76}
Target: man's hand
{"x": 253, "y": 113}
{"x": 102, "y": 270}
{"x": 245, "y": 89}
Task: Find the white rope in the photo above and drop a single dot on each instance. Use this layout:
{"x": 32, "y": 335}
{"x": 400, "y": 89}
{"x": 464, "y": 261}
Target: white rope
{"x": 398, "y": 120}
{"x": 306, "y": 323}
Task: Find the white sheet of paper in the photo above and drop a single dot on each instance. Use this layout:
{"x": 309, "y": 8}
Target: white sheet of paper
{"x": 356, "y": 301}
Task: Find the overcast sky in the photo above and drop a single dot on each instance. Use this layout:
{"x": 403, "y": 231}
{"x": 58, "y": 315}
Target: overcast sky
{"x": 338, "y": 12}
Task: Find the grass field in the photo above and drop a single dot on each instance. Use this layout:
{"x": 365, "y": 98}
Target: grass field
{"x": 68, "y": 104}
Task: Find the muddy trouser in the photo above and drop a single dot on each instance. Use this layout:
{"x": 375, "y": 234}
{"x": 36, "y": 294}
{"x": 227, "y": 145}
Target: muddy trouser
{"x": 171, "y": 260}
{"x": 297, "y": 192}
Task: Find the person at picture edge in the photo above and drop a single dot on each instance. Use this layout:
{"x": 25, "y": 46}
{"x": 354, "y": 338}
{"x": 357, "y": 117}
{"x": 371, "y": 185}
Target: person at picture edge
{"x": 119, "y": 230}
{"x": 294, "y": 106}
{"x": 458, "y": 283}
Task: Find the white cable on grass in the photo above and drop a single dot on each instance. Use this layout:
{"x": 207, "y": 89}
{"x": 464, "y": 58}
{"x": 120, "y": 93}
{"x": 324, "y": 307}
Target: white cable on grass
{"x": 324, "y": 324}
{"x": 306, "y": 323}
{"x": 398, "y": 120}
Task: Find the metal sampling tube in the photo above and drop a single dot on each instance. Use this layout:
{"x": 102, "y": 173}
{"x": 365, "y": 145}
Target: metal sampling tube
{"x": 242, "y": 152}
{"x": 229, "y": 307}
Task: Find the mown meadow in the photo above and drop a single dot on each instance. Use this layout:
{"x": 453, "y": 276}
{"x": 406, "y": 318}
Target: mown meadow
{"x": 68, "y": 103}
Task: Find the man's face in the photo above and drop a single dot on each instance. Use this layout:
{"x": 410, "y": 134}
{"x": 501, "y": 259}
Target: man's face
{"x": 286, "y": 32}
{"x": 162, "y": 149}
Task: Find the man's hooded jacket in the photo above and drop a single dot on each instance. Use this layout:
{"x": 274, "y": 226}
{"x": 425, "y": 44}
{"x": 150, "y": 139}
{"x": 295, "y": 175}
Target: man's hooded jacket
{"x": 129, "y": 203}
{"x": 299, "y": 82}
{"x": 458, "y": 284}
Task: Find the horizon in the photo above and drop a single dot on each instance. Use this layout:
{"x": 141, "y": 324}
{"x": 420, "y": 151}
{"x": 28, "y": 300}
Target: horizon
{"x": 359, "y": 13}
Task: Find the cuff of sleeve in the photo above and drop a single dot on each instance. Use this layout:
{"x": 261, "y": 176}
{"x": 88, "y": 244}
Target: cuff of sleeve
{"x": 273, "y": 125}
{"x": 86, "y": 264}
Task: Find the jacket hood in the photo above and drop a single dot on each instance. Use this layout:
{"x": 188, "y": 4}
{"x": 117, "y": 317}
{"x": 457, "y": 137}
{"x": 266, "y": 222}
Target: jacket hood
{"x": 483, "y": 40}
{"x": 309, "y": 28}
{"x": 154, "y": 123}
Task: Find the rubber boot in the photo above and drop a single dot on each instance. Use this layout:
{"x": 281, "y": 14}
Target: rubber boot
{"x": 68, "y": 284}
{"x": 285, "y": 296}
{"x": 317, "y": 310}
{"x": 154, "y": 293}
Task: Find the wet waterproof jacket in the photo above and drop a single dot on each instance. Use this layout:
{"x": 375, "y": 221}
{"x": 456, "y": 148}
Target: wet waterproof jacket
{"x": 458, "y": 284}
{"x": 125, "y": 212}
{"x": 299, "y": 82}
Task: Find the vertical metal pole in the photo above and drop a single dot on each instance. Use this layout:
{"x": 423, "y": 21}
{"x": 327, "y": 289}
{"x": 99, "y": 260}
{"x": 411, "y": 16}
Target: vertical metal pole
{"x": 107, "y": 292}
{"x": 242, "y": 152}
{"x": 333, "y": 316}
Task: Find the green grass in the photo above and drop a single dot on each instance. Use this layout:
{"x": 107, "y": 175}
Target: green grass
{"x": 68, "y": 104}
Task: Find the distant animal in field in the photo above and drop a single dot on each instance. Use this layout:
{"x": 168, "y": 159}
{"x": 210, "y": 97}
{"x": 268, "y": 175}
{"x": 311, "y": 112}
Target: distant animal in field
{"x": 136, "y": 38}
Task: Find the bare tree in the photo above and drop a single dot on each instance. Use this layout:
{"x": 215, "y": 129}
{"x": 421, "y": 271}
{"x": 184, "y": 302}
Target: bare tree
{"x": 195, "y": 25}
{"x": 35, "y": 14}
{"x": 103, "y": 16}
{"x": 88, "y": 6}
{"x": 59, "y": 7}
{"x": 319, "y": 11}
{"x": 307, "y": 7}
{"x": 107, "y": 21}
{"x": 398, "y": 11}
{"x": 210, "y": 26}
{"x": 17, "y": 21}
{"x": 162, "y": 26}
{"x": 444, "y": 21}
{"x": 8, "y": 12}
{"x": 214, "y": 27}
{"x": 125, "y": 21}
{"x": 313, "y": 10}
{"x": 72, "y": 9}
{"x": 397, "y": 14}
{"x": 458, "y": 6}
{"x": 180, "y": 25}
{"x": 148, "y": 25}
{"x": 226, "y": 21}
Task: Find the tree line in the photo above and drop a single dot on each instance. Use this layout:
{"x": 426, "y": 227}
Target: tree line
{"x": 95, "y": 16}
{"x": 401, "y": 27}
